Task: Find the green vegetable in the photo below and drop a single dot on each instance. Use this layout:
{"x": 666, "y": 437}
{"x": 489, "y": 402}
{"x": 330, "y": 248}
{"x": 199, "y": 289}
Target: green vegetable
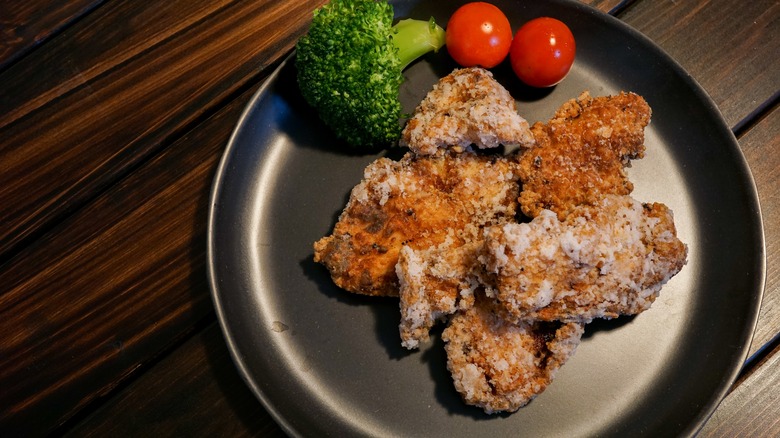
{"x": 349, "y": 67}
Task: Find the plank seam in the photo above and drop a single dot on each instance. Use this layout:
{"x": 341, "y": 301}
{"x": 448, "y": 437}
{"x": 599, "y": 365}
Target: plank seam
{"x": 621, "y": 7}
{"x": 136, "y": 373}
{"x": 754, "y": 362}
{"x": 758, "y": 114}
{"x": 54, "y": 33}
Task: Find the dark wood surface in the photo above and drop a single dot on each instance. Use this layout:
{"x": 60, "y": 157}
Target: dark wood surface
{"x": 113, "y": 116}
{"x": 25, "y": 25}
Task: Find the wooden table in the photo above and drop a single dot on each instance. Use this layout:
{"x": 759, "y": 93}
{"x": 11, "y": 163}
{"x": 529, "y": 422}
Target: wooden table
{"x": 113, "y": 116}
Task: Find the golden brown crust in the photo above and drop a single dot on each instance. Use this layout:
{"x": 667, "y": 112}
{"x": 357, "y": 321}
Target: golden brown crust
{"x": 581, "y": 153}
{"x": 499, "y": 366}
{"x": 415, "y": 202}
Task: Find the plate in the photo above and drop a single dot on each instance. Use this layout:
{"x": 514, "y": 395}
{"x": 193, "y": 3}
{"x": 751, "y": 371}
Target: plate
{"x": 327, "y": 362}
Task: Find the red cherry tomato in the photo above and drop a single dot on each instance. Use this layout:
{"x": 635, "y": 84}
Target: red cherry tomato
{"x": 542, "y": 52}
{"x": 478, "y": 34}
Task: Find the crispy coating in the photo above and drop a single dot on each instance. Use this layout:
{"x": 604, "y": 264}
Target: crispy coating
{"x": 582, "y": 152}
{"x": 416, "y": 202}
{"x": 435, "y": 282}
{"x": 439, "y": 229}
{"x": 466, "y": 107}
{"x": 603, "y": 261}
{"x": 499, "y": 366}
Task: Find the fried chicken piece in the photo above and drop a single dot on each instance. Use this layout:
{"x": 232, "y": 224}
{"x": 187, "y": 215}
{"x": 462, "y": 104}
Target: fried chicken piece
{"x": 603, "y": 261}
{"x": 582, "y": 152}
{"x": 499, "y": 366}
{"x": 418, "y": 202}
{"x": 466, "y": 107}
{"x": 435, "y": 282}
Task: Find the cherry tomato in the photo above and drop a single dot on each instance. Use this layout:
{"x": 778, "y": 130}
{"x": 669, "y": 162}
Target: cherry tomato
{"x": 478, "y": 34}
{"x": 542, "y": 52}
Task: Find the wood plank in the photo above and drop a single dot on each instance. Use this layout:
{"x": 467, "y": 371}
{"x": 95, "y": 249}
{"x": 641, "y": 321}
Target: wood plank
{"x": 68, "y": 133}
{"x": 25, "y": 25}
{"x": 761, "y": 146}
{"x": 752, "y": 409}
{"x": 196, "y": 391}
{"x": 739, "y": 51}
{"x": 609, "y": 6}
{"x": 111, "y": 287}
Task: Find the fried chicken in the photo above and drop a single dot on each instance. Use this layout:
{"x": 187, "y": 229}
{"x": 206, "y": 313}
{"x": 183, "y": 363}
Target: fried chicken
{"x": 499, "y": 366}
{"x": 604, "y": 260}
{"x": 439, "y": 229}
{"x": 435, "y": 282}
{"x": 586, "y": 144}
{"x": 581, "y": 153}
{"x": 419, "y": 202}
{"x": 466, "y": 107}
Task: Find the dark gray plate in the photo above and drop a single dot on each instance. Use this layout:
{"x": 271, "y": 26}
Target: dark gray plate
{"x": 326, "y": 362}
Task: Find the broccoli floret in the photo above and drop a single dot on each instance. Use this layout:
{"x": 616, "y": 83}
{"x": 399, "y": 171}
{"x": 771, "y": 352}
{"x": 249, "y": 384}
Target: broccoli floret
{"x": 349, "y": 67}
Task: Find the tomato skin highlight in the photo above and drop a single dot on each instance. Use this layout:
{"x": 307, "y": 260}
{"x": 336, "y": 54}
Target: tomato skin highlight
{"x": 542, "y": 52}
{"x": 478, "y": 34}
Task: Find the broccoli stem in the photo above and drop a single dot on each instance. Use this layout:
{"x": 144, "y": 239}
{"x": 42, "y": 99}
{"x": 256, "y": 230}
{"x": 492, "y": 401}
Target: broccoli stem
{"x": 415, "y": 38}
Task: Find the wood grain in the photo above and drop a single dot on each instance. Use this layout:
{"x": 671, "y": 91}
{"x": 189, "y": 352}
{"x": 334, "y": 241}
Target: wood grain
{"x": 753, "y": 409}
{"x": 71, "y": 135}
{"x": 172, "y": 396}
{"x": 761, "y": 146}
{"x": 25, "y": 25}
{"x": 608, "y": 6}
{"x": 739, "y": 52}
{"x": 122, "y": 279}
